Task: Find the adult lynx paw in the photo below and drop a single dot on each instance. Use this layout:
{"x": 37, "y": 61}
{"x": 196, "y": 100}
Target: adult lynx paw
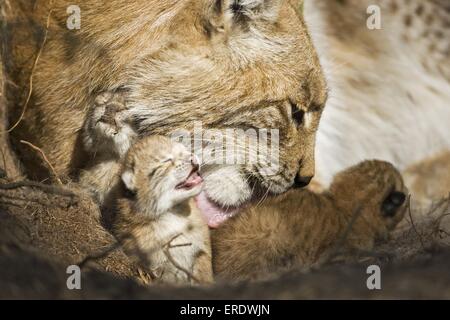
{"x": 377, "y": 189}
{"x": 108, "y": 127}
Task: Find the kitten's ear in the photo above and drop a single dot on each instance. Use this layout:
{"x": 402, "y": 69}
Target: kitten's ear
{"x": 224, "y": 14}
{"x": 128, "y": 180}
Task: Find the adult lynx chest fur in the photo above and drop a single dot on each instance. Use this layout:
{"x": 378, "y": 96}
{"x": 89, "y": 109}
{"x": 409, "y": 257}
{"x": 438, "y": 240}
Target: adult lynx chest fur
{"x": 383, "y": 83}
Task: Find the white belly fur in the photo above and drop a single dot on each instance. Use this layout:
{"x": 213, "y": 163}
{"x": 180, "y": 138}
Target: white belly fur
{"x": 401, "y": 116}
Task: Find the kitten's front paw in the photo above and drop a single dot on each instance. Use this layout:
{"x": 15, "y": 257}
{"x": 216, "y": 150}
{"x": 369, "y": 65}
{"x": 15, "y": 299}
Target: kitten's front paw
{"x": 108, "y": 127}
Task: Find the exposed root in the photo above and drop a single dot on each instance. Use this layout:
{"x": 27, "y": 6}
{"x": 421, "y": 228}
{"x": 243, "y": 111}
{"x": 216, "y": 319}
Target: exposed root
{"x": 44, "y": 187}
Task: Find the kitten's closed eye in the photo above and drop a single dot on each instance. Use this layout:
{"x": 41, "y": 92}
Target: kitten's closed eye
{"x": 153, "y": 169}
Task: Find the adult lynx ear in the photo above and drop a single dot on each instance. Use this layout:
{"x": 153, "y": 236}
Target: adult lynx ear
{"x": 226, "y": 13}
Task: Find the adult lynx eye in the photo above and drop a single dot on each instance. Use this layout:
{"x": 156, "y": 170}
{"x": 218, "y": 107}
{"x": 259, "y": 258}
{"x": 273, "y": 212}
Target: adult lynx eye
{"x": 298, "y": 115}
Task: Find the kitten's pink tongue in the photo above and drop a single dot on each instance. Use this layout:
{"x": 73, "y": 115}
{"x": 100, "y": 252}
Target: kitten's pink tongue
{"x": 213, "y": 214}
{"x": 192, "y": 181}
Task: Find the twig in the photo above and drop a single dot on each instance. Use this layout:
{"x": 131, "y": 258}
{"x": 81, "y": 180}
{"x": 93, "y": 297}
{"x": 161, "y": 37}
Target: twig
{"x": 16, "y": 200}
{"x": 4, "y": 163}
{"x": 445, "y": 233}
{"x": 44, "y": 157}
{"x": 30, "y": 90}
{"x": 103, "y": 254}
{"x": 12, "y": 83}
{"x": 181, "y": 245}
{"x": 44, "y": 187}
{"x": 167, "y": 248}
{"x": 166, "y": 251}
{"x": 439, "y": 222}
{"x": 4, "y": 170}
{"x": 187, "y": 272}
{"x": 413, "y": 224}
{"x": 111, "y": 249}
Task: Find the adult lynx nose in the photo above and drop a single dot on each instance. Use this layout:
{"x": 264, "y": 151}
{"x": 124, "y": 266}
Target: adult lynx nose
{"x": 392, "y": 203}
{"x": 195, "y": 167}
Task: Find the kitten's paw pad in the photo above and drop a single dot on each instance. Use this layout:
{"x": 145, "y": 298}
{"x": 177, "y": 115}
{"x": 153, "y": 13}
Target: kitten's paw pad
{"x": 393, "y": 203}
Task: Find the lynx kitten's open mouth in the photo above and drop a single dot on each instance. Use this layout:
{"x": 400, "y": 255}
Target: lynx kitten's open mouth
{"x": 193, "y": 180}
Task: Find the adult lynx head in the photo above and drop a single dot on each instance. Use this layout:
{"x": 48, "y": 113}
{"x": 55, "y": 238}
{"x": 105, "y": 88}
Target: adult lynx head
{"x": 236, "y": 64}
{"x": 242, "y": 64}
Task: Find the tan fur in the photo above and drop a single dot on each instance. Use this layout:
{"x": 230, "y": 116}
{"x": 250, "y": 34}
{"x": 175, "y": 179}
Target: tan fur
{"x": 159, "y": 223}
{"x": 389, "y": 88}
{"x": 181, "y": 61}
{"x": 429, "y": 180}
{"x": 300, "y": 228}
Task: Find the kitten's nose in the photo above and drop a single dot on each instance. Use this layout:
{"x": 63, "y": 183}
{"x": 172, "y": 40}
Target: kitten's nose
{"x": 301, "y": 182}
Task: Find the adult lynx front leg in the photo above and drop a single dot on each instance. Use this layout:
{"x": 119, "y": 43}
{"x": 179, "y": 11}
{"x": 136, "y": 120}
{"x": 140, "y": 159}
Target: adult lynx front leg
{"x": 107, "y": 134}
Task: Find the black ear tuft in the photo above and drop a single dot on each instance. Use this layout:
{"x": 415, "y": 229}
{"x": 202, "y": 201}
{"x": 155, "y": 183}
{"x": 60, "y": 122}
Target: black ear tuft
{"x": 237, "y": 8}
{"x": 238, "y": 11}
{"x": 254, "y": 9}
{"x": 223, "y": 15}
